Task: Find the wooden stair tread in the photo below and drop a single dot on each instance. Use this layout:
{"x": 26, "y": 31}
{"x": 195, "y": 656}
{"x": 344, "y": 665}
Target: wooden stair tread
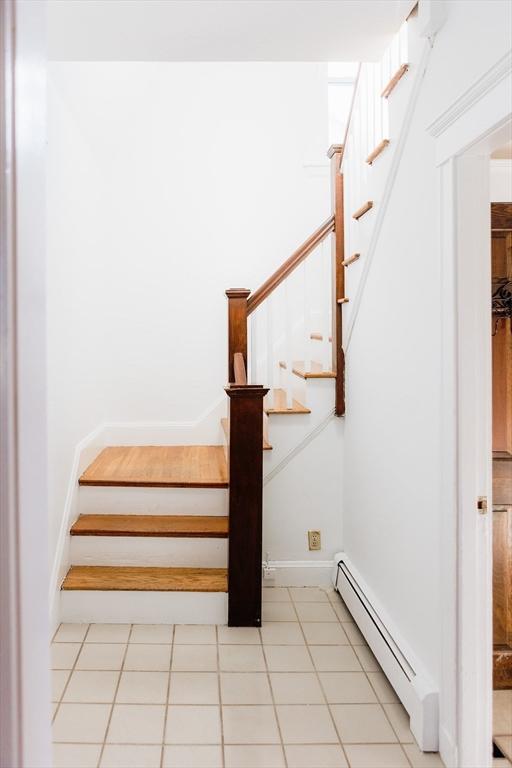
{"x": 149, "y": 579}
{"x": 224, "y": 422}
{"x": 161, "y": 466}
{"x": 279, "y": 404}
{"x": 192, "y": 526}
{"x": 316, "y": 371}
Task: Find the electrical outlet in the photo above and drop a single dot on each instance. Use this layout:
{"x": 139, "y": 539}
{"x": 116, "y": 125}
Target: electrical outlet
{"x": 314, "y": 540}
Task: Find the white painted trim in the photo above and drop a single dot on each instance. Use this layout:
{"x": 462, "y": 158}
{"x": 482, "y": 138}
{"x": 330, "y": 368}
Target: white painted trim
{"x": 381, "y": 211}
{"x": 84, "y": 453}
{"x": 472, "y": 96}
{"x": 501, "y": 163}
{"x": 411, "y": 682}
{"x": 297, "y": 573}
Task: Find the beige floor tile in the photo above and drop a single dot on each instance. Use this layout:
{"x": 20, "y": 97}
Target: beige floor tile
{"x": 308, "y": 595}
{"x": 241, "y": 658}
{"x": 311, "y": 724}
{"x": 76, "y": 755}
{"x": 81, "y": 723}
{"x": 136, "y": 724}
{"x": 64, "y": 655}
{"x": 275, "y": 595}
{"x": 334, "y": 658}
{"x": 101, "y": 656}
{"x": 317, "y": 755}
{"x": 192, "y": 756}
{"x": 362, "y": 724}
{"x": 315, "y": 612}
{"x": 288, "y": 658}
{"x": 194, "y": 658}
{"x": 148, "y": 657}
{"x": 347, "y": 688}
{"x": 376, "y": 756}
{"x": 383, "y": 688}
{"x": 341, "y": 611}
{"x": 70, "y": 633}
{"x": 194, "y": 688}
{"x": 324, "y": 633}
{"x": 502, "y": 712}
{"x": 91, "y": 687}
{"x": 400, "y": 721}
{"x": 419, "y": 759}
{"x": 245, "y": 688}
{"x": 282, "y": 633}
{"x": 59, "y": 680}
{"x": 195, "y": 634}
{"x": 143, "y": 688}
{"x": 353, "y": 633}
{"x": 193, "y": 725}
{"x": 250, "y": 725}
{"x": 368, "y": 661}
{"x": 131, "y": 756}
{"x": 108, "y": 633}
{"x": 151, "y": 633}
{"x": 500, "y": 762}
{"x": 254, "y": 756}
{"x": 239, "y": 635}
{"x": 278, "y": 612}
{"x": 296, "y": 688}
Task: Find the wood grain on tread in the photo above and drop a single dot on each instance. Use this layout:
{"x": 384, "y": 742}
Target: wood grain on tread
{"x": 225, "y": 427}
{"x": 167, "y": 466}
{"x": 315, "y": 372}
{"x": 128, "y": 578}
{"x": 279, "y": 404}
{"x": 179, "y": 526}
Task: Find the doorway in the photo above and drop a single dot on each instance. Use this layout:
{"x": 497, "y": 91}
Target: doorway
{"x": 501, "y": 271}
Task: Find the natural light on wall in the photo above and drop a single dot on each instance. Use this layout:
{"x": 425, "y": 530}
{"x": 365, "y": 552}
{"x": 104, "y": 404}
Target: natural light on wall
{"x": 341, "y": 79}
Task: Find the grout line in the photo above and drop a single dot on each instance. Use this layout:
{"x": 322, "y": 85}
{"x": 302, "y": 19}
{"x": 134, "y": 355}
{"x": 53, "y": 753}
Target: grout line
{"x": 167, "y": 703}
{"x": 323, "y": 692}
{"x": 283, "y": 750}
{"x": 221, "y": 714}
{"x": 115, "y": 696}
{"x": 82, "y": 643}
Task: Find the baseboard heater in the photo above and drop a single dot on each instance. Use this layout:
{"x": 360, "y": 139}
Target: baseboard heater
{"x": 413, "y": 686}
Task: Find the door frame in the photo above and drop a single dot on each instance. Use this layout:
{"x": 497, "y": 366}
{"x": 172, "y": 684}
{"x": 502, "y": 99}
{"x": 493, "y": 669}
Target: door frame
{"x": 465, "y": 135}
{"x": 25, "y": 733}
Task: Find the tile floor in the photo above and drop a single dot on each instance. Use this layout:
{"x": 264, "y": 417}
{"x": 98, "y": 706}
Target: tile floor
{"x": 303, "y": 692}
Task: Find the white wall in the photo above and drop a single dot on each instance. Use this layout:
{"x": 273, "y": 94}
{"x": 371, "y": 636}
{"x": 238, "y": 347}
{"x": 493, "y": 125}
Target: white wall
{"x": 168, "y": 183}
{"x": 392, "y": 481}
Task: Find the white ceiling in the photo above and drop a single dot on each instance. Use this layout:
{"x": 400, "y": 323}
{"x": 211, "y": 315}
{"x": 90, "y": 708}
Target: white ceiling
{"x": 222, "y": 30}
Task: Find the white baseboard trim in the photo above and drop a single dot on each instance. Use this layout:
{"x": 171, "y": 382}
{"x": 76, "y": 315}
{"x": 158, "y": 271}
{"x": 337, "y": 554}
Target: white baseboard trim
{"x": 448, "y": 749}
{"x": 413, "y": 685}
{"x": 84, "y": 453}
{"x": 297, "y": 573}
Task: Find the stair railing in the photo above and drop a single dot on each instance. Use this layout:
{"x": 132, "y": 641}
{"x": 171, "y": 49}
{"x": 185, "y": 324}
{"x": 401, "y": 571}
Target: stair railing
{"x": 298, "y": 306}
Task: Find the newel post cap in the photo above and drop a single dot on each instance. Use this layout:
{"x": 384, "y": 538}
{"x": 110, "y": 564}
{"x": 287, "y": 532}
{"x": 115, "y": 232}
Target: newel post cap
{"x": 238, "y": 293}
{"x": 334, "y": 149}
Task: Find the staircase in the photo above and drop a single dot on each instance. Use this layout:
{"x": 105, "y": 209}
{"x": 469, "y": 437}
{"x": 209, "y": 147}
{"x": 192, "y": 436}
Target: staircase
{"x": 173, "y": 534}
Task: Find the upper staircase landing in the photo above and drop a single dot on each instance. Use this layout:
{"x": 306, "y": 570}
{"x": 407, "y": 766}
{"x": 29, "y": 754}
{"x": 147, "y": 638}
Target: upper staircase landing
{"x": 166, "y": 466}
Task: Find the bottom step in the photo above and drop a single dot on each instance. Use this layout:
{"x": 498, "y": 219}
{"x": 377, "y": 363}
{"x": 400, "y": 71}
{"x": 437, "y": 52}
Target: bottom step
{"x": 132, "y": 595}
{"x": 129, "y": 607}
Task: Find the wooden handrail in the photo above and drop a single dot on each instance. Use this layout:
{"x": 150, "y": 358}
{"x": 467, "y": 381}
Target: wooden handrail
{"x": 256, "y": 298}
{"x": 239, "y": 368}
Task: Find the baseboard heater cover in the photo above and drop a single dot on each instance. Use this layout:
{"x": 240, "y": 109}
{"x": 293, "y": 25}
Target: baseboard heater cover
{"x": 413, "y": 685}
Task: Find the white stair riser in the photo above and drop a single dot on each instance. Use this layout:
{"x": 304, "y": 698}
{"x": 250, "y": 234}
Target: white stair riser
{"x": 149, "y": 551}
{"x": 111, "y": 500}
{"x": 133, "y": 607}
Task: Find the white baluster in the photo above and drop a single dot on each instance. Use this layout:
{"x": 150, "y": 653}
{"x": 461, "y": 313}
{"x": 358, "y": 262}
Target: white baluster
{"x": 253, "y": 330}
{"x": 326, "y": 303}
{"x": 288, "y": 343}
{"x": 269, "y": 378}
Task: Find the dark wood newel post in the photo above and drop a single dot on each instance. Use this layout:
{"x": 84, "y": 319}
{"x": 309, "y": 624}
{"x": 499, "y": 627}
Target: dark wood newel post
{"x": 237, "y": 327}
{"x": 245, "y": 504}
{"x": 335, "y": 154}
